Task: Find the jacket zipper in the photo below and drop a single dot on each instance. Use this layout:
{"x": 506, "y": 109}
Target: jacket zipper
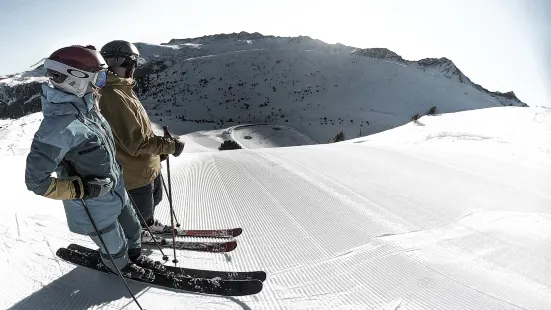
{"x": 103, "y": 134}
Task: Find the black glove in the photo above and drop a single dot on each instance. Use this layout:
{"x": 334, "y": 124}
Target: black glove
{"x": 96, "y": 187}
{"x": 179, "y": 147}
{"x": 163, "y": 157}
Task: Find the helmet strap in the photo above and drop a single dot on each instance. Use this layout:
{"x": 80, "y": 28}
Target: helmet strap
{"x": 129, "y": 73}
{"x": 121, "y": 72}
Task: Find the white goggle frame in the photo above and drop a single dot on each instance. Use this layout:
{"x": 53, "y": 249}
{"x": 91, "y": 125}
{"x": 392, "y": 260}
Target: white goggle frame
{"x": 97, "y": 79}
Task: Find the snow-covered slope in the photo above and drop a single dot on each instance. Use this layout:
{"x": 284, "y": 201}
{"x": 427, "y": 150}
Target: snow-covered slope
{"x": 218, "y": 81}
{"x": 267, "y": 135}
{"x": 508, "y": 133}
{"x": 318, "y": 88}
{"x": 424, "y": 216}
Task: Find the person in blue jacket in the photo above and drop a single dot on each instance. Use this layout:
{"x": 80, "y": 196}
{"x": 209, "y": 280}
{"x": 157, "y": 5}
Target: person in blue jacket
{"x": 76, "y": 142}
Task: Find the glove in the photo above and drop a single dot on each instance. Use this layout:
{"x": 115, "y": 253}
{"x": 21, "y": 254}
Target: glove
{"x": 179, "y": 147}
{"x": 163, "y": 157}
{"x": 96, "y": 187}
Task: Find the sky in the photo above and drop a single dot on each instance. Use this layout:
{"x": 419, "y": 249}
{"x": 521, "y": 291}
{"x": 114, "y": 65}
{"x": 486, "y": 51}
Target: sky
{"x": 504, "y": 45}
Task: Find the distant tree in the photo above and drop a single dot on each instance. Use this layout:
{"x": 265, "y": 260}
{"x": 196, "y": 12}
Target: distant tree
{"x": 415, "y": 117}
{"x": 339, "y": 137}
{"x": 229, "y": 145}
{"x": 432, "y": 111}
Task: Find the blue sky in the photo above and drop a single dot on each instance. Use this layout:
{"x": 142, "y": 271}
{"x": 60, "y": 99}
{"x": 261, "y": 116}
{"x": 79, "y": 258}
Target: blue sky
{"x": 503, "y": 45}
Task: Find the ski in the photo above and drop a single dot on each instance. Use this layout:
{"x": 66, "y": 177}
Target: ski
{"x": 188, "y": 272}
{"x": 213, "y": 233}
{"x": 216, "y": 247}
{"x": 196, "y": 285}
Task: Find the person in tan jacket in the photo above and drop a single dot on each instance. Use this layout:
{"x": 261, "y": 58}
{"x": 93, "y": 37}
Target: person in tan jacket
{"x": 139, "y": 150}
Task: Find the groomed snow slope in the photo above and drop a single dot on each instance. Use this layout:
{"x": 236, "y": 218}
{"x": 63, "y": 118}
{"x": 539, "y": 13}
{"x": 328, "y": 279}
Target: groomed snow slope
{"x": 371, "y": 225}
{"x": 267, "y": 135}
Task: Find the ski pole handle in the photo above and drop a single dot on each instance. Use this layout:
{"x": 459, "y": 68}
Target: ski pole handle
{"x": 165, "y": 130}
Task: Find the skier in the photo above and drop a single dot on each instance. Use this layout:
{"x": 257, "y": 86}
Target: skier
{"x": 139, "y": 150}
{"x": 75, "y": 141}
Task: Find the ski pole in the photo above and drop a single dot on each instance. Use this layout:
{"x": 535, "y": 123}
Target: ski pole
{"x": 175, "y": 261}
{"x": 166, "y": 191}
{"x": 107, "y": 250}
{"x": 165, "y": 257}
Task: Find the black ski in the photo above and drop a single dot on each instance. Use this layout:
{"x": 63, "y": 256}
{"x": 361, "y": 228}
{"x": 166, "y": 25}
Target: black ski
{"x": 196, "y": 285}
{"x": 188, "y": 272}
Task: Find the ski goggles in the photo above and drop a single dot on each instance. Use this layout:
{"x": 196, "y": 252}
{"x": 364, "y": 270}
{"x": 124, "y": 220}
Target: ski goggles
{"x": 130, "y": 63}
{"x": 98, "y": 78}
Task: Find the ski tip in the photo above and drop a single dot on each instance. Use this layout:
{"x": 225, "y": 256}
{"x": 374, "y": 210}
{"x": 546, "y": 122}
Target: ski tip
{"x": 72, "y": 246}
{"x": 231, "y": 245}
{"x": 245, "y": 287}
{"x": 61, "y": 251}
{"x": 237, "y": 231}
{"x": 256, "y": 287}
{"x": 261, "y": 276}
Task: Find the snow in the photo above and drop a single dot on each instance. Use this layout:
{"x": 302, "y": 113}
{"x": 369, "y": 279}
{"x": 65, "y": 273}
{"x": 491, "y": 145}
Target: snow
{"x": 268, "y": 135}
{"x": 449, "y": 212}
{"x": 446, "y": 212}
{"x": 512, "y": 133}
{"x": 317, "y": 88}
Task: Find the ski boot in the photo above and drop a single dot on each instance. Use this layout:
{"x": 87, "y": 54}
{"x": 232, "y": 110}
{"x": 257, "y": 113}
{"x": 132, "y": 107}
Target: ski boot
{"x": 136, "y": 257}
{"x": 148, "y": 238}
{"x": 133, "y": 271}
{"x": 160, "y": 228}
{"x": 146, "y": 262}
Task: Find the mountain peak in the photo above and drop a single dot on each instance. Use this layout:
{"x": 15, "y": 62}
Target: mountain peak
{"x": 379, "y": 53}
{"x": 243, "y": 35}
{"x": 433, "y": 62}
{"x": 302, "y": 39}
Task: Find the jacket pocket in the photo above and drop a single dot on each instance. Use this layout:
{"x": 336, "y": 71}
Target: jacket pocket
{"x": 89, "y": 150}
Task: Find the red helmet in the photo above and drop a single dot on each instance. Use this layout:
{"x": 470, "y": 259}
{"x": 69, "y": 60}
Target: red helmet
{"x": 72, "y": 69}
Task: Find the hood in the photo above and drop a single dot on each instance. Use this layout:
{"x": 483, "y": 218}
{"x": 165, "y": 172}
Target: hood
{"x": 56, "y": 102}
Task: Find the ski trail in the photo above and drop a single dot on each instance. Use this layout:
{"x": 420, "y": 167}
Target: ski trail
{"x": 473, "y": 173}
{"x": 333, "y": 186}
{"x": 280, "y": 206}
{"x": 502, "y": 300}
{"x": 18, "y": 228}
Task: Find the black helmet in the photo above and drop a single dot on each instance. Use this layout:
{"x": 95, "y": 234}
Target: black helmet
{"x": 120, "y": 52}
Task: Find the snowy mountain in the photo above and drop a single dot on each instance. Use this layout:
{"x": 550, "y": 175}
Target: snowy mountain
{"x": 321, "y": 89}
{"x": 446, "y": 212}
{"x": 19, "y": 93}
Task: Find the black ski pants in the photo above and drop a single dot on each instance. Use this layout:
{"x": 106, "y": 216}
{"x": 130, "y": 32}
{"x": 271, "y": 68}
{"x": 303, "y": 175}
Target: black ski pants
{"x": 147, "y": 198}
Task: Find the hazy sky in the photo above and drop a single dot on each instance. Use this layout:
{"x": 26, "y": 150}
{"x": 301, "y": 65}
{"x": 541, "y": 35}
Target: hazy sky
{"x": 503, "y": 45}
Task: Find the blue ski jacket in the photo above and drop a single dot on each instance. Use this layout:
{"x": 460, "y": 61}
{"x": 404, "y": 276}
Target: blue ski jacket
{"x": 75, "y": 140}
